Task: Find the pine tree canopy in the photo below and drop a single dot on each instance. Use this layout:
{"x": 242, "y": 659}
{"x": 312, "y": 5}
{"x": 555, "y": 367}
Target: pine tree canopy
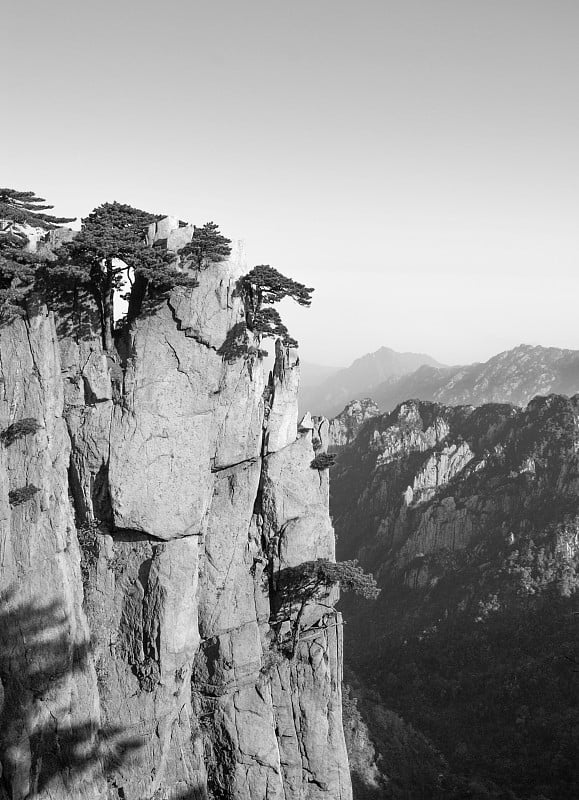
{"x": 17, "y": 267}
{"x": 268, "y": 323}
{"x": 116, "y": 231}
{"x": 304, "y": 581}
{"x": 207, "y": 246}
{"x": 112, "y": 242}
{"x": 25, "y": 208}
{"x": 264, "y": 285}
{"x": 16, "y": 281}
{"x": 113, "y": 230}
{"x": 349, "y": 574}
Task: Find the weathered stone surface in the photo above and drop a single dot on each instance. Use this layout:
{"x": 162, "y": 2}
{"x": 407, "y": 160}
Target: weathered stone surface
{"x": 185, "y": 410}
{"x": 47, "y": 674}
{"x": 295, "y": 498}
{"x": 308, "y": 702}
{"x": 282, "y": 421}
{"x": 243, "y": 680}
{"x": 160, "y": 230}
{"x": 232, "y": 559}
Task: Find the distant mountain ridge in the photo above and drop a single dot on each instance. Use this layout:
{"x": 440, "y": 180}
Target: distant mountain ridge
{"x": 389, "y": 378}
{"x": 513, "y": 376}
{"x": 360, "y": 378}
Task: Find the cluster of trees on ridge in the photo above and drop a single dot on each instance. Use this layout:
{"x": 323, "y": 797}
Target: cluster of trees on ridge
{"x": 110, "y": 249}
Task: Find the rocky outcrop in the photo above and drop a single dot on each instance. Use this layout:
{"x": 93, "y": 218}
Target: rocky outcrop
{"x": 154, "y": 652}
{"x": 344, "y": 428}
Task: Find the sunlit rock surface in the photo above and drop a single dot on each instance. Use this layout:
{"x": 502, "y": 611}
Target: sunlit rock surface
{"x": 143, "y": 653}
{"x": 345, "y": 426}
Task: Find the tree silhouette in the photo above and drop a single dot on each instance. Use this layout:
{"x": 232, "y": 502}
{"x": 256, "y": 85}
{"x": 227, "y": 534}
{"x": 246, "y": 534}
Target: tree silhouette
{"x": 18, "y": 211}
{"x": 207, "y": 246}
{"x": 308, "y": 582}
{"x": 323, "y": 461}
{"x": 259, "y": 289}
{"x": 25, "y": 208}
{"x": 263, "y": 286}
{"x": 38, "y": 750}
{"x": 109, "y": 251}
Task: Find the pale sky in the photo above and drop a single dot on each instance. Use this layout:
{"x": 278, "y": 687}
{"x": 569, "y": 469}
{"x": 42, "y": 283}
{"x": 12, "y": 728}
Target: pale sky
{"x": 416, "y": 161}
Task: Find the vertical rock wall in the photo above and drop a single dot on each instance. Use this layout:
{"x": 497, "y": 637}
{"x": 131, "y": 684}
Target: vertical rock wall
{"x": 49, "y": 707}
{"x": 193, "y": 492}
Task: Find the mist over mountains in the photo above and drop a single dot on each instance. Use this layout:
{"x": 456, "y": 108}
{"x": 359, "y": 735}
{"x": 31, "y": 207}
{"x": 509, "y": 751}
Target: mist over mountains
{"x": 358, "y": 380}
{"x": 389, "y": 378}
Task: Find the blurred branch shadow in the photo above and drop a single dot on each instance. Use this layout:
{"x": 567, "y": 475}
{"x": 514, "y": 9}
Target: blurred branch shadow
{"x": 41, "y": 747}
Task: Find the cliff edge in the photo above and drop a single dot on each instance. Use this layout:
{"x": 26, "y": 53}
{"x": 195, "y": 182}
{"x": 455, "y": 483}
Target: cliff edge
{"x": 149, "y": 506}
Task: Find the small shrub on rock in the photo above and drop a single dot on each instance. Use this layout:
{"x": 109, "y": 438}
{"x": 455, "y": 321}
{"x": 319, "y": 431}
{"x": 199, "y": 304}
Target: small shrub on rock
{"x": 323, "y": 461}
{"x": 18, "y": 496}
{"x": 19, "y": 429}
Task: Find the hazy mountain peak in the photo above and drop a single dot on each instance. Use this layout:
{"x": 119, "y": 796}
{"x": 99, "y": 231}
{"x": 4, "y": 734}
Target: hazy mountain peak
{"x": 358, "y": 380}
{"x": 512, "y": 376}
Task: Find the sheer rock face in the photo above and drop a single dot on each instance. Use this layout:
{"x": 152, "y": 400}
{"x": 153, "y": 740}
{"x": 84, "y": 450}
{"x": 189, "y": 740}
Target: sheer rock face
{"x": 192, "y": 492}
{"x": 48, "y": 696}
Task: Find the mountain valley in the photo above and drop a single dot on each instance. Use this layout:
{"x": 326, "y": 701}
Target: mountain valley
{"x": 469, "y": 519}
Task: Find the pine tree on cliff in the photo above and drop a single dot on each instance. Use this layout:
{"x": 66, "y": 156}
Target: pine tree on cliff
{"x": 110, "y": 249}
{"x": 207, "y": 246}
{"x": 263, "y": 286}
{"x": 304, "y": 583}
{"x": 25, "y": 208}
{"x": 19, "y": 210}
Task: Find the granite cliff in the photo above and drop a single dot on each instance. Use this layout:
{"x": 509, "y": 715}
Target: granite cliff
{"x": 150, "y": 503}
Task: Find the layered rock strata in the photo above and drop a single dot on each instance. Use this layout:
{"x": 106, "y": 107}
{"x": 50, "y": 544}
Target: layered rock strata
{"x": 149, "y": 649}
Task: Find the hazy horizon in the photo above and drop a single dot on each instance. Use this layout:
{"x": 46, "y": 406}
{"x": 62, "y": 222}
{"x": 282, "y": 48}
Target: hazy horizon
{"x": 338, "y": 367}
{"x": 415, "y": 162}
